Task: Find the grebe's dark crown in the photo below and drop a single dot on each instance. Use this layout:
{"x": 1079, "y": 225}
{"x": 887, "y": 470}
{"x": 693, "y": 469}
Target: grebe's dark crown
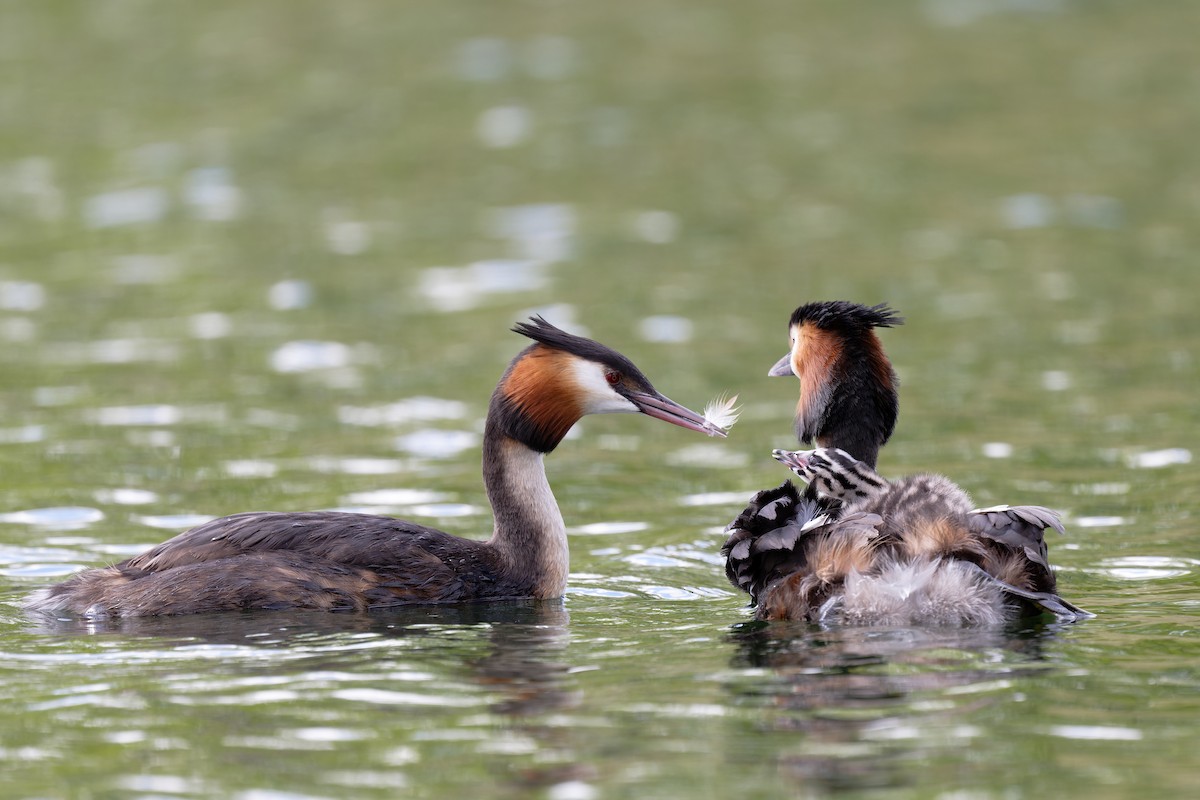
{"x": 543, "y": 332}
{"x": 842, "y": 315}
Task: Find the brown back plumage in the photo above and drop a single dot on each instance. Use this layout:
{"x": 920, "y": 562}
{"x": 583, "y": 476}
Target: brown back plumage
{"x": 901, "y": 550}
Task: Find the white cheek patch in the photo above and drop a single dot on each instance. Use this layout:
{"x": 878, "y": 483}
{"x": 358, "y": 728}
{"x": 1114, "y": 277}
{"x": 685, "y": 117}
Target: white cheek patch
{"x": 595, "y": 393}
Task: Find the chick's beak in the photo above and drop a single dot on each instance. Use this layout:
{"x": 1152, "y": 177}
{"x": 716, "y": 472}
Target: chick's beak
{"x": 664, "y": 408}
{"x": 782, "y": 368}
{"x": 795, "y": 460}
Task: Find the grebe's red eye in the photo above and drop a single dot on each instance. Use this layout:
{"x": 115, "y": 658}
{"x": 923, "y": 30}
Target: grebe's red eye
{"x": 612, "y": 377}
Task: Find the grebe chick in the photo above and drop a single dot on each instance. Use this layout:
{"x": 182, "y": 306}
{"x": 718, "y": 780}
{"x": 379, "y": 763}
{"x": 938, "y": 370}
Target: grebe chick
{"x": 902, "y": 552}
{"x": 335, "y": 561}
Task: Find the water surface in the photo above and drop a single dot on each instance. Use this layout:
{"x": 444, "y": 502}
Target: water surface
{"x": 264, "y": 256}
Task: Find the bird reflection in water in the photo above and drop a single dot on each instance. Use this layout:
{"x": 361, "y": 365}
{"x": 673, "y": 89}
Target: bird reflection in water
{"x": 872, "y": 703}
{"x": 514, "y": 651}
{"x": 525, "y": 639}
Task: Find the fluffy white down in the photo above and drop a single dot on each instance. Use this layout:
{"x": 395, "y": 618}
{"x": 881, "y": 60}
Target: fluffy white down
{"x": 932, "y": 592}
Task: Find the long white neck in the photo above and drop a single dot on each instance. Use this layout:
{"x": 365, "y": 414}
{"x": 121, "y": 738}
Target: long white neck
{"x": 529, "y": 533}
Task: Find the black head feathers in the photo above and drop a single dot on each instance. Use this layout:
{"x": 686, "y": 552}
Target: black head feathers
{"x": 543, "y": 332}
{"x": 846, "y": 317}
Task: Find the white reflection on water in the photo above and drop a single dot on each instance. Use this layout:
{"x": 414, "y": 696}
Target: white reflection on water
{"x": 160, "y": 414}
{"x": 356, "y": 466}
{"x": 210, "y": 325}
{"x": 1157, "y": 459}
{"x": 143, "y": 204}
{"x": 23, "y": 435}
{"x": 344, "y": 236}
{"x": 540, "y": 231}
{"x": 666, "y": 329}
{"x": 1143, "y": 568}
{"x": 436, "y": 443}
{"x": 125, "y": 496}
{"x": 1113, "y": 488}
{"x": 162, "y": 784}
{"x": 307, "y": 355}
{"x": 21, "y": 296}
{"x": 250, "y": 468}
{"x": 463, "y": 288}
{"x": 684, "y": 592}
{"x": 290, "y": 295}
{"x": 707, "y": 455}
{"x": 605, "y": 528}
{"x": 410, "y": 409}
{"x": 997, "y": 450}
{"x": 656, "y": 227}
{"x": 395, "y": 497}
{"x": 394, "y": 698}
{"x": 58, "y": 518}
{"x": 1056, "y": 380}
{"x": 717, "y": 498}
{"x": 211, "y": 194}
{"x": 1098, "y": 522}
{"x": 172, "y": 522}
{"x": 444, "y": 510}
{"x": 1096, "y": 732}
{"x": 504, "y": 126}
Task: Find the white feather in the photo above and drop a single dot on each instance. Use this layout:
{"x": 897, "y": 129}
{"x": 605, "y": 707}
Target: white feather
{"x": 722, "y": 412}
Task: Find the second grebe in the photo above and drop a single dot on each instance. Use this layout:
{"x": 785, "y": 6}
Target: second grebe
{"x": 848, "y": 400}
{"x": 336, "y": 561}
{"x": 901, "y": 552}
{"x": 847, "y": 384}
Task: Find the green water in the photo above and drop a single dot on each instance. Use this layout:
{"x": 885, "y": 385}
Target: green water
{"x": 194, "y": 197}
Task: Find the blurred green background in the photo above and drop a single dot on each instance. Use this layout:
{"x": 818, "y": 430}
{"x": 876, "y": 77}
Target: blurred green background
{"x": 240, "y": 242}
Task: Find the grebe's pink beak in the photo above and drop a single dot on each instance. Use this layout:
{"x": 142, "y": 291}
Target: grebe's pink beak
{"x": 664, "y": 408}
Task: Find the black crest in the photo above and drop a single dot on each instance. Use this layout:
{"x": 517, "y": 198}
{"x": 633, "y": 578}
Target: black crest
{"x": 541, "y": 331}
{"x": 842, "y": 315}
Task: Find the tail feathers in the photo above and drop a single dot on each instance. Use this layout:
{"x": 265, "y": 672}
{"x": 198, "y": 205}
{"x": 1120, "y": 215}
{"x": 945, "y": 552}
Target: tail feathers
{"x": 87, "y": 593}
{"x": 1018, "y": 527}
{"x": 1048, "y": 602}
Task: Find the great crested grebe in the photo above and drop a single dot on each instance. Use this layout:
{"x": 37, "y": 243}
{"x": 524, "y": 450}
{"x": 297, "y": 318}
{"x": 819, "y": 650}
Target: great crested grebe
{"x": 796, "y": 555}
{"x": 336, "y": 561}
{"x": 848, "y": 399}
{"x": 847, "y": 384}
{"x": 901, "y": 552}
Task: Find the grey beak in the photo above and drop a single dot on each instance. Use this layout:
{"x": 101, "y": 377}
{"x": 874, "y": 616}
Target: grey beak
{"x": 782, "y": 368}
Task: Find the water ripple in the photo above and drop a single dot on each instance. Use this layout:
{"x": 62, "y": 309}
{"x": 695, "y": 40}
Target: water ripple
{"x": 436, "y": 443}
{"x": 395, "y": 497}
{"x": 1143, "y": 568}
{"x": 58, "y": 518}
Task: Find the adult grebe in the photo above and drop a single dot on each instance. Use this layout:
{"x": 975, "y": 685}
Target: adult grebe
{"x": 902, "y": 552}
{"x": 847, "y": 384}
{"x": 848, "y": 399}
{"x": 353, "y": 562}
